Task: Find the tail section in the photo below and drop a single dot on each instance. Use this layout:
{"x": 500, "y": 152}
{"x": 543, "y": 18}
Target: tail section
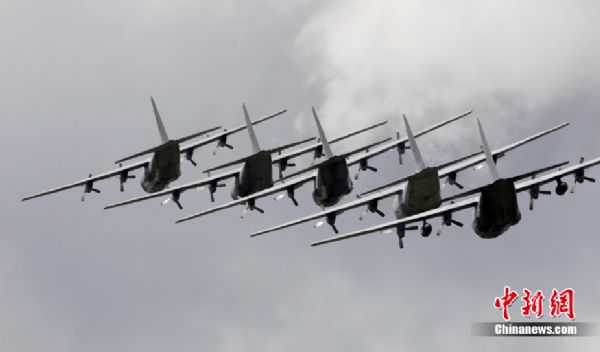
{"x": 413, "y": 146}
{"x": 324, "y": 142}
{"x": 488, "y": 153}
{"x": 253, "y": 139}
{"x": 161, "y": 127}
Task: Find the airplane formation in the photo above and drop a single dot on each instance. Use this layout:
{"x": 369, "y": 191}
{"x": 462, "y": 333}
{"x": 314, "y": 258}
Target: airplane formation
{"x": 417, "y": 198}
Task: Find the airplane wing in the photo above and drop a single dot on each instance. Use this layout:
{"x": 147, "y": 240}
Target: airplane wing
{"x": 288, "y": 187}
{"x": 273, "y": 151}
{"x": 283, "y": 161}
{"x": 222, "y": 136}
{"x": 401, "y": 143}
{"x": 500, "y": 152}
{"x": 331, "y": 213}
{"x": 346, "y": 155}
{"x": 578, "y": 171}
{"x": 442, "y": 211}
{"x": 513, "y": 179}
{"x": 451, "y": 169}
{"x": 122, "y": 172}
{"x": 316, "y": 148}
{"x": 175, "y": 192}
{"x": 371, "y": 198}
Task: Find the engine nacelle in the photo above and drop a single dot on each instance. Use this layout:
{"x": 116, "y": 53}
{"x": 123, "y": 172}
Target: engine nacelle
{"x": 561, "y": 187}
{"x": 426, "y": 229}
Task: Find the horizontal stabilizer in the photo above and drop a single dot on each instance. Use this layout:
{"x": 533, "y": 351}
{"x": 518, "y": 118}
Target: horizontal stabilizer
{"x": 291, "y": 145}
{"x": 197, "y": 134}
{"x": 537, "y": 172}
{"x": 223, "y": 166}
{"x": 241, "y": 160}
{"x": 153, "y": 149}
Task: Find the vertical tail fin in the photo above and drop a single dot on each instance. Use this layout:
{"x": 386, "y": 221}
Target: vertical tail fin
{"x": 253, "y": 139}
{"x": 324, "y": 142}
{"x": 413, "y": 146}
{"x": 161, "y": 128}
{"x": 488, "y": 153}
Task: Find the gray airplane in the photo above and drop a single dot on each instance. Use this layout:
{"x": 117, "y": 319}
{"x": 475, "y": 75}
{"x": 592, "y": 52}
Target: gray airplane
{"x": 331, "y": 177}
{"x": 496, "y": 206}
{"x": 254, "y": 175}
{"x": 413, "y": 194}
{"x": 164, "y": 165}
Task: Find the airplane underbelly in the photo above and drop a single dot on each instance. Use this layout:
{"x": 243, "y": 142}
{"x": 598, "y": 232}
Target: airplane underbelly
{"x": 422, "y": 192}
{"x": 497, "y": 210}
{"x": 256, "y": 175}
{"x": 333, "y": 182}
{"x": 164, "y": 169}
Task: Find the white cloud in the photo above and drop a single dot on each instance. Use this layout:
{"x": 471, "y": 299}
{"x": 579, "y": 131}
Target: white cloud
{"x": 432, "y": 59}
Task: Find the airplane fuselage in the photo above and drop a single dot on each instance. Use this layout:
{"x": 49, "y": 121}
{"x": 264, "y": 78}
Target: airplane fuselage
{"x": 333, "y": 181}
{"x": 163, "y": 169}
{"x": 497, "y": 210}
{"x": 421, "y": 193}
{"x": 256, "y": 175}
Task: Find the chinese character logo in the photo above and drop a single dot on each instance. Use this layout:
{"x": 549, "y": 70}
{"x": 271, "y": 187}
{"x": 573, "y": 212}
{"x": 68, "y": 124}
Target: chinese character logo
{"x": 562, "y": 303}
{"x": 533, "y": 303}
{"x": 505, "y": 301}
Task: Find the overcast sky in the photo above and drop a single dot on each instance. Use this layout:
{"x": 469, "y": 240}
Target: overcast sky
{"x": 77, "y": 76}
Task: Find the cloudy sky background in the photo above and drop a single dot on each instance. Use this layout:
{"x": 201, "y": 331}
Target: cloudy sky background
{"x": 77, "y": 76}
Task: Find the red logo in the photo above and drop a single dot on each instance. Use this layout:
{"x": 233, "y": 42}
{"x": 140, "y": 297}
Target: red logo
{"x": 560, "y": 303}
{"x": 505, "y": 301}
{"x": 533, "y": 304}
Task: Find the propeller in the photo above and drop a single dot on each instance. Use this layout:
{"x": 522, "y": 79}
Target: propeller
{"x": 401, "y": 148}
{"x": 580, "y": 176}
{"x": 331, "y": 221}
{"x": 89, "y": 187}
{"x": 189, "y": 155}
{"x": 447, "y": 220}
{"x": 290, "y": 194}
{"x": 175, "y": 198}
{"x": 250, "y": 206}
{"x": 400, "y": 231}
{"x": 222, "y": 142}
{"x": 372, "y": 207}
{"x": 534, "y": 193}
{"x": 283, "y": 165}
{"x": 123, "y": 177}
{"x": 212, "y": 188}
{"x": 451, "y": 180}
{"x": 363, "y": 166}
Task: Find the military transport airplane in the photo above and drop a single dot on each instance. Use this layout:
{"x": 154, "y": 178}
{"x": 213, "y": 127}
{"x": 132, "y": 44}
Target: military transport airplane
{"x": 331, "y": 177}
{"x": 164, "y": 166}
{"x": 255, "y": 174}
{"x": 413, "y": 194}
{"x": 496, "y": 206}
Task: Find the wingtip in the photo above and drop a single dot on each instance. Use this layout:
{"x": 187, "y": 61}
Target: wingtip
{"x": 179, "y": 221}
